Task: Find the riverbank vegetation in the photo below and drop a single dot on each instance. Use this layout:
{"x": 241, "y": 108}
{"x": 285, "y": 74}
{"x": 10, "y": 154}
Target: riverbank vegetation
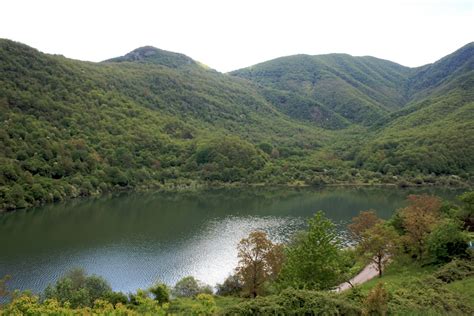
{"x": 425, "y": 266}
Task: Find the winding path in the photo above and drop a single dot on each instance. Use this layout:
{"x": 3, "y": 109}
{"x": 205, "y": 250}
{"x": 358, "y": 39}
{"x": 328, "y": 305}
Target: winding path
{"x": 369, "y": 272}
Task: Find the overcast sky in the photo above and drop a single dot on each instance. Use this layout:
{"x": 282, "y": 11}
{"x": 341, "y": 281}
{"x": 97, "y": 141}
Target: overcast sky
{"x": 228, "y": 35}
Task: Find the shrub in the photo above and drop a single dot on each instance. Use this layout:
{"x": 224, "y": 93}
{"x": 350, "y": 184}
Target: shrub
{"x": 376, "y": 301}
{"x": 447, "y": 241}
{"x": 455, "y": 270}
{"x": 295, "y": 302}
{"x": 425, "y": 296}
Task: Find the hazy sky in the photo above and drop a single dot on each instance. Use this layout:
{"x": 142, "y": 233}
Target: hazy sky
{"x": 228, "y": 35}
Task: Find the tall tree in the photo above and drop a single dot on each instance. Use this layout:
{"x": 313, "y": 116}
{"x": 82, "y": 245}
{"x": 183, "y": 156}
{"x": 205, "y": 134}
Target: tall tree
{"x": 378, "y": 244}
{"x": 419, "y": 219}
{"x": 467, "y": 211}
{"x": 315, "y": 259}
{"x": 260, "y": 260}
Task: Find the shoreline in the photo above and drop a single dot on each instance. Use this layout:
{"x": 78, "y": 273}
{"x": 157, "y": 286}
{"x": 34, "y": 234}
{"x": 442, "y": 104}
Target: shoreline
{"x": 198, "y": 187}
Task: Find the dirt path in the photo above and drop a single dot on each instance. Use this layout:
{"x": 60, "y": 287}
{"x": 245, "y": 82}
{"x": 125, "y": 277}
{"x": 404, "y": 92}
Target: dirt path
{"x": 365, "y": 275}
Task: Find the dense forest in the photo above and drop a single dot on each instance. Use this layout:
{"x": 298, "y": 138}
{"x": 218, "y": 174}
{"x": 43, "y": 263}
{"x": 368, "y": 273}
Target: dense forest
{"x": 422, "y": 258}
{"x": 157, "y": 119}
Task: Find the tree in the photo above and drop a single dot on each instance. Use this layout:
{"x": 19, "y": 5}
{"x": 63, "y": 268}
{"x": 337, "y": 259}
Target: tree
{"x": 79, "y": 289}
{"x": 4, "y": 293}
{"x": 161, "y": 292}
{"x": 378, "y": 244}
{"x": 447, "y": 241}
{"x": 190, "y": 287}
{"x": 362, "y": 222}
{"x": 231, "y": 286}
{"x": 467, "y": 211}
{"x": 259, "y": 261}
{"x": 315, "y": 259}
{"x": 419, "y": 218}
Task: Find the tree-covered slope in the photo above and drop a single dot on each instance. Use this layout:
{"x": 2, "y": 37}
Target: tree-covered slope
{"x": 358, "y": 89}
{"x": 434, "y": 132}
{"x": 442, "y": 74}
{"x": 72, "y": 128}
{"x": 154, "y": 118}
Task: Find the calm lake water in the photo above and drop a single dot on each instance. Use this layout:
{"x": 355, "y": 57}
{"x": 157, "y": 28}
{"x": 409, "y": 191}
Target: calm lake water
{"x": 135, "y": 239}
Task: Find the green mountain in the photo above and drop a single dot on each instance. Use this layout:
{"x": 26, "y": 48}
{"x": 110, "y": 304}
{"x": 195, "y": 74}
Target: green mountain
{"x": 153, "y": 118}
{"x": 434, "y": 132}
{"x": 72, "y": 128}
{"x": 357, "y": 89}
{"x": 149, "y": 54}
{"x": 420, "y": 120}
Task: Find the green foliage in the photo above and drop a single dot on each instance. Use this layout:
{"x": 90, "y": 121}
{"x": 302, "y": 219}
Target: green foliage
{"x": 228, "y": 159}
{"x": 161, "y": 292}
{"x": 73, "y": 129}
{"x": 28, "y": 304}
{"x": 144, "y": 305}
{"x": 428, "y": 295}
{"x": 202, "y": 304}
{"x": 376, "y": 301}
{"x": 447, "y": 241}
{"x": 466, "y": 213}
{"x": 314, "y": 260}
{"x": 156, "y": 119}
{"x": 334, "y": 88}
{"x": 205, "y": 305}
{"x": 190, "y": 287}
{"x": 295, "y": 302}
{"x": 78, "y": 289}
{"x": 455, "y": 270}
{"x": 232, "y": 286}
{"x": 378, "y": 244}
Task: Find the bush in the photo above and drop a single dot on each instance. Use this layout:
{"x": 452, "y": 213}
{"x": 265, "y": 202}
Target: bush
{"x": 206, "y": 305}
{"x": 447, "y": 241}
{"x": 376, "y": 301}
{"x": 455, "y": 270}
{"x": 295, "y": 302}
{"x": 426, "y": 296}
{"x": 78, "y": 289}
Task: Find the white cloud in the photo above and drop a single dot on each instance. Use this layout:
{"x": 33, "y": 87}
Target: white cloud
{"x": 227, "y": 35}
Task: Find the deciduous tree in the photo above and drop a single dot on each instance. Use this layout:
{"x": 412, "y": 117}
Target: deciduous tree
{"x": 260, "y": 260}
{"x": 315, "y": 259}
{"x": 419, "y": 218}
{"x": 378, "y": 244}
{"x": 362, "y": 222}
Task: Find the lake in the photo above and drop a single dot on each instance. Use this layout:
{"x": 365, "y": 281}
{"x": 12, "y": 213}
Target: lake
{"x": 135, "y": 239}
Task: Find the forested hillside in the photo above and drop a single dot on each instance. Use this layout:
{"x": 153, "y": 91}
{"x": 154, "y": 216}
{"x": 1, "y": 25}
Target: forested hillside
{"x": 420, "y": 121}
{"x": 358, "y": 89}
{"x": 159, "y": 119}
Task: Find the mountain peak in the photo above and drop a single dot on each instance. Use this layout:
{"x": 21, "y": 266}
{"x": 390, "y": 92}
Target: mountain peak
{"x": 150, "y": 54}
